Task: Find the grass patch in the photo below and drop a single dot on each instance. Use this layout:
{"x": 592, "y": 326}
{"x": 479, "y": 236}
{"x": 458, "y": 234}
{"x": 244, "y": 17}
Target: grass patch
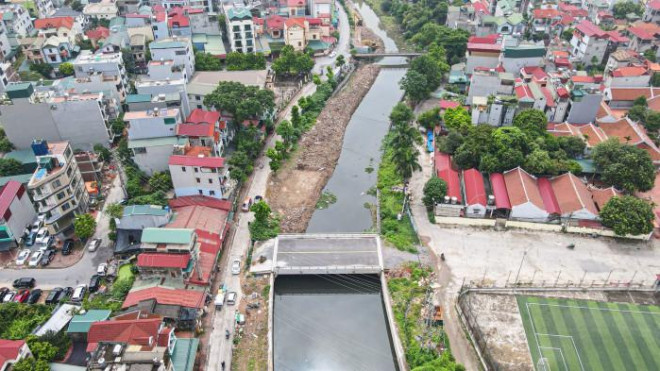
{"x": 565, "y": 334}
{"x": 390, "y": 25}
{"x": 408, "y": 296}
{"x": 18, "y": 320}
{"x": 327, "y": 198}
{"x": 125, "y": 272}
{"x": 400, "y": 233}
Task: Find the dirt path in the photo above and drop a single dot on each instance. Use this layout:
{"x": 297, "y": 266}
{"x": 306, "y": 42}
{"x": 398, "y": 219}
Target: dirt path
{"x": 294, "y": 190}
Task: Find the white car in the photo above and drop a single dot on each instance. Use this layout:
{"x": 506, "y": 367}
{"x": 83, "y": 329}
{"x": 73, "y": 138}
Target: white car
{"x": 333, "y": 54}
{"x": 36, "y": 258}
{"x": 22, "y": 256}
{"x": 94, "y": 244}
{"x": 42, "y": 237}
{"x": 236, "y": 267}
{"x": 9, "y": 296}
{"x": 102, "y": 269}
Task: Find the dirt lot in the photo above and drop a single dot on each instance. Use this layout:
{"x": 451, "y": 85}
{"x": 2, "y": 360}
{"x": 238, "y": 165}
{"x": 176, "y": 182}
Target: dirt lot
{"x": 251, "y": 352}
{"x": 499, "y": 320}
{"x": 294, "y": 190}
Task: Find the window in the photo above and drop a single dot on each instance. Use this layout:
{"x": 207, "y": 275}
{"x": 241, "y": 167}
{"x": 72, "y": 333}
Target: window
{"x": 197, "y": 97}
{"x": 236, "y": 29}
{"x": 201, "y": 193}
{"x": 198, "y": 180}
{"x": 247, "y": 27}
{"x": 196, "y": 169}
{"x": 170, "y": 121}
{"x": 183, "y": 168}
{"x": 180, "y": 52}
{"x": 210, "y": 181}
{"x": 61, "y": 195}
{"x": 199, "y": 106}
{"x": 56, "y": 184}
{"x": 211, "y": 193}
{"x": 139, "y": 150}
{"x": 66, "y": 207}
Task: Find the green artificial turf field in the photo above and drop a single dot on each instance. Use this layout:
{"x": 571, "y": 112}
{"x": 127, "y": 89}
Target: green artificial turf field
{"x": 565, "y": 334}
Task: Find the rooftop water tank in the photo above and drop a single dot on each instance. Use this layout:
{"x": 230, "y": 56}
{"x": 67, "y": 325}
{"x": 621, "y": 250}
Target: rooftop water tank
{"x": 40, "y": 147}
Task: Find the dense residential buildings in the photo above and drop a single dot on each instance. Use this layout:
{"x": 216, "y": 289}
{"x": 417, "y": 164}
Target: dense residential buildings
{"x": 199, "y": 175}
{"x": 16, "y": 214}
{"x": 179, "y": 51}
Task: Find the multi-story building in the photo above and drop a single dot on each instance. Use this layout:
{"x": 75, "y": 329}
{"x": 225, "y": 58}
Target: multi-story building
{"x": 81, "y": 119}
{"x": 591, "y": 45}
{"x": 5, "y": 45}
{"x": 16, "y": 214}
{"x": 199, "y": 175}
{"x": 156, "y": 88}
{"x": 652, "y": 11}
{"x": 7, "y": 75}
{"x": 177, "y": 49}
{"x": 57, "y": 187}
{"x": 102, "y": 10}
{"x": 298, "y": 32}
{"x": 65, "y": 27}
{"x": 240, "y": 29}
{"x": 165, "y": 69}
{"x": 110, "y": 65}
{"x": 16, "y": 19}
{"x": 53, "y": 50}
{"x": 128, "y": 6}
{"x": 45, "y": 8}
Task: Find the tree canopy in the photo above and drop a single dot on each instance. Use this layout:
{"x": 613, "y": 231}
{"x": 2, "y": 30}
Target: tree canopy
{"x": 628, "y": 215}
{"x": 242, "y": 102}
{"x": 84, "y": 226}
{"x": 623, "y": 8}
{"x": 245, "y": 61}
{"x": 425, "y": 74}
{"x": 10, "y": 166}
{"x": 402, "y": 140}
{"x": 66, "y": 69}
{"x": 291, "y": 63}
{"x": 624, "y": 166}
{"x": 531, "y": 121}
{"x": 207, "y": 62}
{"x": 435, "y": 191}
{"x": 457, "y": 119}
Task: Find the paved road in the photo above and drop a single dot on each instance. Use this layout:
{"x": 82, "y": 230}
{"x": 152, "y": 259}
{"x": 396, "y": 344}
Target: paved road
{"x": 83, "y": 269}
{"x": 473, "y": 254}
{"x": 343, "y": 45}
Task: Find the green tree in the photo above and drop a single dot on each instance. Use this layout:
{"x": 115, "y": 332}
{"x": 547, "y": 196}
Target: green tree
{"x": 401, "y": 114}
{"x": 207, "y": 62}
{"x": 430, "y": 68}
{"x": 265, "y": 226}
{"x": 275, "y": 157}
{"x": 405, "y": 161}
{"x": 5, "y": 145}
{"x": 567, "y": 35}
{"x": 242, "y": 102}
{"x": 435, "y": 191}
{"x": 458, "y": 119}
{"x": 245, "y": 61}
{"x": 624, "y": 166}
{"x": 240, "y": 165}
{"x": 45, "y": 69}
{"x": 650, "y": 55}
{"x": 103, "y": 153}
{"x": 161, "y": 181}
{"x": 340, "y": 61}
{"x": 637, "y": 113}
{"x": 66, "y": 69}
{"x": 115, "y": 210}
{"x": 415, "y": 85}
{"x": 43, "y": 350}
{"x": 572, "y": 146}
{"x": 655, "y": 79}
{"x": 30, "y": 364}
{"x": 539, "y": 162}
{"x": 10, "y": 166}
{"x": 628, "y": 215}
{"x": 84, "y": 226}
{"x": 623, "y": 8}
{"x": 450, "y": 142}
{"x": 291, "y": 63}
{"x": 129, "y": 60}
{"x": 154, "y": 198}
{"x": 288, "y": 133}
{"x": 429, "y": 119}
{"x": 652, "y": 121}
{"x": 532, "y": 122}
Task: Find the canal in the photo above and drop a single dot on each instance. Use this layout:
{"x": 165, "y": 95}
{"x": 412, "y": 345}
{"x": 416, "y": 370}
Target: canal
{"x": 338, "y": 322}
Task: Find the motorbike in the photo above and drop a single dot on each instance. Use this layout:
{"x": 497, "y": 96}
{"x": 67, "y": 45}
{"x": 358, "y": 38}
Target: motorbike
{"x": 227, "y": 334}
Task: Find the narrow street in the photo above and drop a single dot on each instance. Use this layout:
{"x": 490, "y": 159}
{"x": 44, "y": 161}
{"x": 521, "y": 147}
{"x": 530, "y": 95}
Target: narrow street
{"x": 81, "y": 271}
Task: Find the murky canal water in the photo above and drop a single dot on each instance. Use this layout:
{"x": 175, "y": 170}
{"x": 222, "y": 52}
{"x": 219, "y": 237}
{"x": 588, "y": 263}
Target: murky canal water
{"x": 330, "y": 322}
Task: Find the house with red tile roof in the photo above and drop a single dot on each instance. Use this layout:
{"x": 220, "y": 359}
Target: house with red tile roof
{"x": 98, "y": 35}
{"x": 476, "y": 200}
{"x": 144, "y": 334}
{"x": 171, "y": 265}
{"x": 178, "y": 22}
{"x": 498, "y": 188}
{"x": 644, "y": 36}
{"x": 444, "y": 170}
{"x": 632, "y": 133}
{"x": 12, "y": 351}
{"x": 600, "y": 196}
{"x": 624, "y": 97}
{"x": 628, "y": 76}
{"x": 574, "y": 198}
{"x": 206, "y": 129}
{"x": 179, "y": 305}
{"x": 483, "y": 52}
{"x": 527, "y": 202}
{"x": 16, "y": 214}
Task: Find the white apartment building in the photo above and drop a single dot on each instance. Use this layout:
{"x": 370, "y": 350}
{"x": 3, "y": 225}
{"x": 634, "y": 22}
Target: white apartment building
{"x": 110, "y": 65}
{"x": 165, "y": 69}
{"x": 240, "y": 29}
{"x": 152, "y": 124}
{"x": 45, "y": 8}
{"x": 157, "y": 87}
{"x": 177, "y": 49}
{"x": 57, "y": 187}
{"x": 198, "y": 175}
{"x": 16, "y": 19}
{"x": 103, "y": 10}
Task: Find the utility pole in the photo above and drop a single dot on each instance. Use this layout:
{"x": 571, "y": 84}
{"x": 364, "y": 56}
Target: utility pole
{"x": 522, "y": 260}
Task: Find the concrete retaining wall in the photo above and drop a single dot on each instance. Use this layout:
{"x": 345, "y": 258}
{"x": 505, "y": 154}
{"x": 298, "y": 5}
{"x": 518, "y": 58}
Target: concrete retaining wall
{"x": 399, "y": 353}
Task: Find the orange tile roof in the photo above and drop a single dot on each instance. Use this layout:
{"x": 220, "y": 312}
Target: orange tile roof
{"x": 295, "y": 22}
{"x": 630, "y": 94}
{"x": 131, "y": 332}
{"x": 522, "y": 188}
{"x": 55, "y": 22}
{"x": 572, "y": 194}
{"x": 165, "y": 296}
{"x": 629, "y": 71}
{"x": 600, "y": 196}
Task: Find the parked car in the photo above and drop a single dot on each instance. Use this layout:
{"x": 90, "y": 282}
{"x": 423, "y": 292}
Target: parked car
{"x": 47, "y": 257}
{"x": 333, "y": 54}
{"x": 94, "y": 283}
{"x": 79, "y": 293}
{"x": 94, "y": 244}
{"x": 34, "y": 296}
{"x": 54, "y": 296}
{"x": 102, "y": 269}
{"x": 37, "y": 225}
{"x": 67, "y": 247}
{"x": 35, "y": 258}
{"x": 24, "y": 283}
{"x": 23, "y": 256}
{"x": 231, "y": 298}
{"x": 3, "y": 291}
{"x": 22, "y": 296}
{"x": 66, "y": 294}
{"x": 9, "y": 296}
{"x": 246, "y": 204}
{"x": 42, "y": 236}
{"x": 236, "y": 267}
{"x": 48, "y": 245}
{"x": 31, "y": 237}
